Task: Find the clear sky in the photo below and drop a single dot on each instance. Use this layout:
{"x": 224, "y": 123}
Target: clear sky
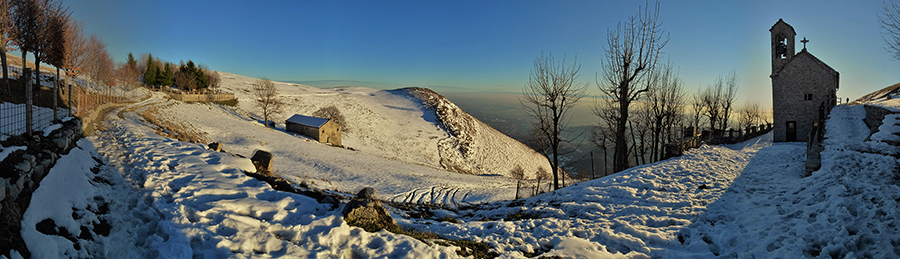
{"x": 483, "y": 46}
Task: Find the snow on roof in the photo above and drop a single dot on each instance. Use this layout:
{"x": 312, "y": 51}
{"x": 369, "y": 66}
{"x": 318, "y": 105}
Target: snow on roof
{"x": 307, "y": 120}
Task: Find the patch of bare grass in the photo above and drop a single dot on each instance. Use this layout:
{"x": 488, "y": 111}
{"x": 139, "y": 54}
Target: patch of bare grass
{"x": 182, "y": 131}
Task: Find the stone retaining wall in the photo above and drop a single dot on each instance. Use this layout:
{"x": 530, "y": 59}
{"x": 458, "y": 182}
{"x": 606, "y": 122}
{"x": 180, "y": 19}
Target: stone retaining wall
{"x": 23, "y": 170}
{"x": 204, "y": 97}
{"x": 874, "y": 117}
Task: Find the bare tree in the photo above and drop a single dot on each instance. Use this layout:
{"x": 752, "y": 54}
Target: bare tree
{"x": 517, "y": 172}
{"x": 549, "y": 95}
{"x": 641, "y": 122}
{"x": 75, "y": 58}
{"x": 602, "y": 138}
{"x": 540, "y": 175}
{"x": 24, "y": 21}
{"x": 332, "y": 113}
{"x": 214, "y": 80}
{"x": 664, "y": 100}
{"x": 631, "y": 54}
{"x": 127, "y": 75}
{"x": 696, "y": 103}
{"x": 750, "y": 114}
{"x": 711, "y": 100}
{"x": 47, "y": 11}
{"x": 890, "y": 27}
{"x": 56, "y": 47}
{"x": 267, "y": 98}
{"x": 728, "y": 96}
{"x": 94, "y": 51}
{"x": 185, "y": 81}
{"x": 6, "y": 34}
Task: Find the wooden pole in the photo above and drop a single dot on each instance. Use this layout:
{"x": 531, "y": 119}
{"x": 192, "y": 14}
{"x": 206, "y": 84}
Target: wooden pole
{"x": 592, "y": 166}
{"x": 28, "y": 100}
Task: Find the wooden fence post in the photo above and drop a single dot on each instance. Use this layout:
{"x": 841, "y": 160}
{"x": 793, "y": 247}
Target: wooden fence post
{"x": 28, "y": 101}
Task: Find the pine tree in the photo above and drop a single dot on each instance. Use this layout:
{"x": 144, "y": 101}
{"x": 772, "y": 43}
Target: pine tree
{"x": 168, "y": 76}
{"x": 130, "y": 61}
{"x": 150, "y": 75}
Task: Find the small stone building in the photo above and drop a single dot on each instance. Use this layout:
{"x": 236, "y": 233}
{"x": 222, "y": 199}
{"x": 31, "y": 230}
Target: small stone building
{"x": 323, "y": 130}
{"x": 800, "y": 84}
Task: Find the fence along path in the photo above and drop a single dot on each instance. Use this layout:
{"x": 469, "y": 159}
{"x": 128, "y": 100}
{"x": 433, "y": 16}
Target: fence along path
{"x": 48, "y": 103}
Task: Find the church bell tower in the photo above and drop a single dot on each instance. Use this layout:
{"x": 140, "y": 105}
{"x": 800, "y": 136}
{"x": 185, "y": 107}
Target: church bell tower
{"x": 782, "y": 44}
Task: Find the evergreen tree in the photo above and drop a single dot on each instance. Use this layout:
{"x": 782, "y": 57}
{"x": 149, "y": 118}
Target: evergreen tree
{"x": 131, "y": 62}
{"x": 151, "y": 74}
{"x": 202, "y": 79}
{"x": 168, "y": 75}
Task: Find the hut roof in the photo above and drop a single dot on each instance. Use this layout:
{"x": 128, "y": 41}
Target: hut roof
{"x": 307, "y": 120}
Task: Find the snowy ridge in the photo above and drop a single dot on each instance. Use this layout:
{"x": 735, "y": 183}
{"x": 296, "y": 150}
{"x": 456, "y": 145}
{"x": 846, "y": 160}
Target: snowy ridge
{"x": 473, "y": 147}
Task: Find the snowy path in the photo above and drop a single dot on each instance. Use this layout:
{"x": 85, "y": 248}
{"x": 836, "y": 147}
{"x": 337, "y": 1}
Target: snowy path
{"x": 844, "y": 210}
{"x": 173, "y": 199}
{"x": 639, "y": 212}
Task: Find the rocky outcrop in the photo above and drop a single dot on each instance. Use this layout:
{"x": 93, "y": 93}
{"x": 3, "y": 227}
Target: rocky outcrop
{"x": 366, "y": 212}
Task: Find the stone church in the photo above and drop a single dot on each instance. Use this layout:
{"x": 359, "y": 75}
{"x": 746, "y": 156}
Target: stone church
{"x": 800, "y": 84}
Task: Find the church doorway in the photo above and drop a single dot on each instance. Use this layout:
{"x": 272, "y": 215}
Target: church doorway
{"x": 791, "y": 132}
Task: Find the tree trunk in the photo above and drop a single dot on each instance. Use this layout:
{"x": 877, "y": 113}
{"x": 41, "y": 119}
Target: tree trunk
{"x": 55, "y": 93}
{"x": 555, "y": 166}
{"x": 37, "y": 70}
{"x": 634, "y": 146}
{"x": 24, "y": 63}
{"x": 605, "y": 162}
{"x": 5, "y": 68}
{"x": 620, "y": 161}
{"x": 5, "y": 74}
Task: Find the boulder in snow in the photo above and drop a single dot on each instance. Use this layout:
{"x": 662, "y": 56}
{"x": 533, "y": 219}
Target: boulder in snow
{"x": 215, "y": 146}
{"x": 262, "y": 160}
{"x": 366, "y": 212}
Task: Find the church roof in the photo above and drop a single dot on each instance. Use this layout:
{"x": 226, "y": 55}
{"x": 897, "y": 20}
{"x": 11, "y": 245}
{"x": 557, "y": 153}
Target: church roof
{"x": 780, "y": 21}
{"x": 803, "y": 52}
{"x": 307, "y": 120}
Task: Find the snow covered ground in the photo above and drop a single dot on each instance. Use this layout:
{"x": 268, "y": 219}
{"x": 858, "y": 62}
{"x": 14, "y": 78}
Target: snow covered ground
{"x": 397, "y": 125}
{"x": 749, "y": 200}
{"x": 300, "y": 159}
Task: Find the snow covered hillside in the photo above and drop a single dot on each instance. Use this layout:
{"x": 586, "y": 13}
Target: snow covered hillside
{"x": 300, "y": 159}
{"x": 167, "y": 198}
{"x": 412, "y": 125}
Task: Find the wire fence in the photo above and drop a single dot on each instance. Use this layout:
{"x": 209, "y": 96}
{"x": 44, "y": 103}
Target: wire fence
{"x": 26, "y": 109}
{"x": 530, "y": 187}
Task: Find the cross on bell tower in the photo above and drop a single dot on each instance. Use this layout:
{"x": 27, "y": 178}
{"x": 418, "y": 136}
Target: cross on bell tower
{"x": 804, "y": 42}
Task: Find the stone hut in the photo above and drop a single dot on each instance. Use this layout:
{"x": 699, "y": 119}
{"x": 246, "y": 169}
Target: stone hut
{"x": 800, "y": 84}
{"x": 323, "y": 130}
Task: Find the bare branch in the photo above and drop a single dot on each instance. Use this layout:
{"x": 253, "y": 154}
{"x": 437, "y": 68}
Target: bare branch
{"x": 267, "y": 98}
{"x": 548, "y": 97}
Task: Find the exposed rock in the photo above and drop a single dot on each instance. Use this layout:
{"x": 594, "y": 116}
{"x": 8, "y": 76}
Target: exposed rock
{"x": 366, "y": 212}
{"x": 262, "y": 160}
{"x": 216, "y": 146}
{"x": 366, "y": 193}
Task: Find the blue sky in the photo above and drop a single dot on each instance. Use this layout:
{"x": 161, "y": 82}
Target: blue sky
{"x": 483, "y": 46}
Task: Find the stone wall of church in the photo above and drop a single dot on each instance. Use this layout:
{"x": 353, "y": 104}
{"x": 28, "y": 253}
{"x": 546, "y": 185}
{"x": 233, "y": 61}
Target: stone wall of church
{"x": 800, "y": 77}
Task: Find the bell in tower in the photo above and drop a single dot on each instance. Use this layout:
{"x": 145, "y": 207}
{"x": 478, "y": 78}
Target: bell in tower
{"x": 782, "y": 44}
